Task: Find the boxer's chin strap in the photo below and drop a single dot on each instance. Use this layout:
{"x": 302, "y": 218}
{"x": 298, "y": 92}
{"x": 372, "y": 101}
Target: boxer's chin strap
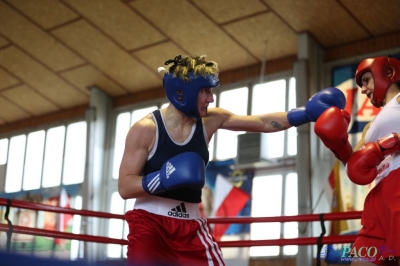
{"x": 319, "y": 239}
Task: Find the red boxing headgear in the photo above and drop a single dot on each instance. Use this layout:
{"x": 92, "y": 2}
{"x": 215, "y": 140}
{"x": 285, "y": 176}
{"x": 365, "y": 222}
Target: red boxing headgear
{"x": 385, "y": 71}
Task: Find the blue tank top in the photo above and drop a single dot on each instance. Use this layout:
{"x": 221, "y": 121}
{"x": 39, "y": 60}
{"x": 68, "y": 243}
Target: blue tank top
{"x": 167, "y": 148}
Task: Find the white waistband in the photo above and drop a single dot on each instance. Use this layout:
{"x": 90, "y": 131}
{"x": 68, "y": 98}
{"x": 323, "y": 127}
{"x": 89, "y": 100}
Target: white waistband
{"x": 168, "y": 207}
{"x": 389, "y": 164}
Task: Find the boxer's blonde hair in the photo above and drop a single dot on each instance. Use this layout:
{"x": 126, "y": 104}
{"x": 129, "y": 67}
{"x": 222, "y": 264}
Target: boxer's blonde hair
{"x": 196, "y": 64}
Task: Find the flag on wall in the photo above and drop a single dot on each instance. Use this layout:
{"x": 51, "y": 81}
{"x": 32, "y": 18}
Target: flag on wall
{"x": 231, "y": 190}
{"x": 228, "y": 201}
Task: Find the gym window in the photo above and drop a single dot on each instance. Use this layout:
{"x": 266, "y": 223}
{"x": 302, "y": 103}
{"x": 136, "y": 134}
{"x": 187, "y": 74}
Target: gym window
{"x": 43, "y": 158}
{"x": 278, "y": 192}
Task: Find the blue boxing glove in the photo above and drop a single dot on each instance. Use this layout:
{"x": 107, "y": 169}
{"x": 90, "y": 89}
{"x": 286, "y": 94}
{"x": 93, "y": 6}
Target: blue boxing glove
{"x": 184, "y": 170}
{"x": 316, "y": 105}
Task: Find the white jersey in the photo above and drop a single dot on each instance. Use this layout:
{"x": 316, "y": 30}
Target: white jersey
{"x": 386, "y": 122}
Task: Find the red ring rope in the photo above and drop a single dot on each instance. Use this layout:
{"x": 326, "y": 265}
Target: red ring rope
{"x": 240, "y": 243}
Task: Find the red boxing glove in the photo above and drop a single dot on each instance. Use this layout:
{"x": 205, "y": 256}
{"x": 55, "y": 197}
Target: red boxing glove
{"x": 331, "y": 128}
{"x": 362, "y": 165}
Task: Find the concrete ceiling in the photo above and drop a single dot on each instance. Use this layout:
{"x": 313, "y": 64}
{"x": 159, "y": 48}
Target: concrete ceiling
{"x": 52, "y": 51}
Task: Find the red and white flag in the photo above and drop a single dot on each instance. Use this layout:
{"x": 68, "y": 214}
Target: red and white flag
{"x": 228, "y": 202}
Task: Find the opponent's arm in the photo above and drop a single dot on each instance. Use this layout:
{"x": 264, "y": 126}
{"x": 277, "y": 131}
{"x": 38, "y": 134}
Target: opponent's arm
{"x": 138, "y": 143}
{"x": 362, "y": 165}
{"x": 331, "y": 127}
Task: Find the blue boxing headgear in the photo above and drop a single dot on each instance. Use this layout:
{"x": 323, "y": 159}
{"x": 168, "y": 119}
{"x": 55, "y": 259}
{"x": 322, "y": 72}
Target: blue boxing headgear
{"x": 183, "y": 94}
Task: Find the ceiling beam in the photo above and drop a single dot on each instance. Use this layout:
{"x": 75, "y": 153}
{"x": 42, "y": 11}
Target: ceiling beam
{"x": 72, "y": 113}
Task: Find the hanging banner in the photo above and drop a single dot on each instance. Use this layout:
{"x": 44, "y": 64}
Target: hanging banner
{"x": 231, "y": 190}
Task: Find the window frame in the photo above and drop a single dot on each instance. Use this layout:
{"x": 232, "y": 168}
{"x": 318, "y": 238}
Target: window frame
{"x": 284, "y": 171}
{"x": 26, "y": 132}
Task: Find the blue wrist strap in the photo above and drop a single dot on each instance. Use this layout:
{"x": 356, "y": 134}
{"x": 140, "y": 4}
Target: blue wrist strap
{"x": 151, "y": 183}
{"x": 298, "y": 117}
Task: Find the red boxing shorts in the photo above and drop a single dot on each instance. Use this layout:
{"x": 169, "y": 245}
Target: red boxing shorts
{"x": 381, "y": 221}
{"x": 174, "y": 235}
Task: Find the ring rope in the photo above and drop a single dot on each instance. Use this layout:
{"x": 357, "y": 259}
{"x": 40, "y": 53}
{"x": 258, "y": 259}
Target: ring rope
{"x": 321, "y": 240}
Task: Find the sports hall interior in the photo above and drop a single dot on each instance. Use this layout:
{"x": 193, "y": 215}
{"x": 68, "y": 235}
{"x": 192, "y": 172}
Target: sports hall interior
{"x": 76, "y": 74}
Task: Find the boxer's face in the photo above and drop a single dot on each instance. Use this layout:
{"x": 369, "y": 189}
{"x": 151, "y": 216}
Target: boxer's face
{"x": 204, "y": 98}
{"x": 367, "y": 85}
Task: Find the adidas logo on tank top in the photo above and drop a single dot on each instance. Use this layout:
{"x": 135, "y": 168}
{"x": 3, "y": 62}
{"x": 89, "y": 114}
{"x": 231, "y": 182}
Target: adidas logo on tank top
{"x": 179, "y": 211}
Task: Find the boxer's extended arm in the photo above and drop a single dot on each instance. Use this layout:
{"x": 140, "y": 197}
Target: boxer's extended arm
{"x": 316, "y": 105}
{"x": 331, "y": 127}
{"x": 362, "y": 165}
{"x": 184, "y": 170}
{"x": 138, "y": 143}
{"x": 218, "y": 118}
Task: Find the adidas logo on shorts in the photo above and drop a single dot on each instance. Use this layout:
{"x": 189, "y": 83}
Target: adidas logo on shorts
{"x": 179, "y": 211}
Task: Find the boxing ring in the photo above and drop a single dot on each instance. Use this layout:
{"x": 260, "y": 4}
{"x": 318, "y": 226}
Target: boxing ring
{"x": 10, "y": 229}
